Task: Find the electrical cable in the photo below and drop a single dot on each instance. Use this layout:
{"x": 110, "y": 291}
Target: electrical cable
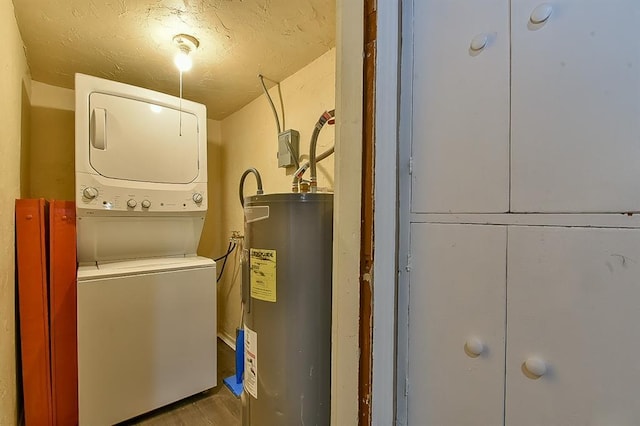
{"x": 262, "y": 77}
{"x": 180, "y": 102}
{"x": 294, "y": 154}
{"x": 273, "y": 107}
{"x": 281, "y": 106}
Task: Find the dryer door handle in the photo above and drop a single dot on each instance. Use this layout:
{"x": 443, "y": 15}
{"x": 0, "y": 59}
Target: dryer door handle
{"x": 99, "y": 128}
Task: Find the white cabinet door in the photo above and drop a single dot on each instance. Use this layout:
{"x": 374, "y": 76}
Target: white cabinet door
{"x": 456, "y": 308}
{"x": 573, "y": 303}
{"x": 460, "y": 122}
{"x": 575, "y": 100}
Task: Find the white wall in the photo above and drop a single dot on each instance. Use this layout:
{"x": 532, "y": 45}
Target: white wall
{"x": 14, "y": 73}
{"x": 250, "y": 140}
{"x": 212, "y": 235}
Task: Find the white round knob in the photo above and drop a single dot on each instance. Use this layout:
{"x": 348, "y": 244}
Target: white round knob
{"x": 197, "y": 198}
{"x": 541, "y": 13}
{"x": 146, "y": 204}
{"x": 474, "y": 346}
{"x": 90, "y": 192}
{"x": 131, "y": 203}
{"x": 535, "y": 366}
{"x": 479, "y": 42}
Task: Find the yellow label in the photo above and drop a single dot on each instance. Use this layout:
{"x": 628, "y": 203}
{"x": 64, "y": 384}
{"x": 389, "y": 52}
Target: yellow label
{"x": 263, "y": 274}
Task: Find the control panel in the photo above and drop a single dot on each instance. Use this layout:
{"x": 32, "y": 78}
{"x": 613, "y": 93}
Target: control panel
{"x": 97, "y": 196}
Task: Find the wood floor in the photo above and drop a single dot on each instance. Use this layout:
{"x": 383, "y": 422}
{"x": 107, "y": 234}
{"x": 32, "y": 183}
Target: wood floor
{"x": 216, "y": 407}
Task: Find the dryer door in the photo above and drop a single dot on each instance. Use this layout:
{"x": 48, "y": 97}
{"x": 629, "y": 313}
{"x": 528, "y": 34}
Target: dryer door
{"x": 135, "y": 140}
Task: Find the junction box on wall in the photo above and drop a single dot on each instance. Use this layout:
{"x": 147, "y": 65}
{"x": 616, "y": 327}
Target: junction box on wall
{"x": 288, "y": 141}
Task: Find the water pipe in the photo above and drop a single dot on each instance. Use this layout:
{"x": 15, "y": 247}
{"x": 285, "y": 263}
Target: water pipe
{"x": 313, "y": 179}
{"x": 297, "y": 176}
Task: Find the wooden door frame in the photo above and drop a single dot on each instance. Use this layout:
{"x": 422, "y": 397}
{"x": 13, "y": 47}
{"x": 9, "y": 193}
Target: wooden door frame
{"x": 378, "y": 262}
{"x": 367, "y": 227}
{"x": 363, "y": 385}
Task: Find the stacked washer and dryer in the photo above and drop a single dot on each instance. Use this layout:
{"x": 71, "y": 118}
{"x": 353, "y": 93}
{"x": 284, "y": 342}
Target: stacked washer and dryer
{"x": 146, "y": 301}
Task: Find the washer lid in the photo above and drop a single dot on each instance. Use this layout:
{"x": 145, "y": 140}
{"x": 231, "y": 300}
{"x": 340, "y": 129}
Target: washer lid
{"x": 142, "y": 266}
{"x": 134, "y": 140}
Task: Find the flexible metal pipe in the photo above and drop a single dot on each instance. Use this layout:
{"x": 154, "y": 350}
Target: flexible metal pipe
{"x": 313, "y": 179}
{"x": 256, "y": 173}
{"x": 297, "y": 176}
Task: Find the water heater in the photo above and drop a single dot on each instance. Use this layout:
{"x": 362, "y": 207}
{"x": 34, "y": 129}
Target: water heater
{"x": 287, "y": 299}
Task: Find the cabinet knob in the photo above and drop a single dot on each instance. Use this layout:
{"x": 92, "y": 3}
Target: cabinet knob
{"x": 479, "y": 42}
{"x": 536, "y": 367}
{"x": 474, "y": 347}
{"x": 541, "y": 13}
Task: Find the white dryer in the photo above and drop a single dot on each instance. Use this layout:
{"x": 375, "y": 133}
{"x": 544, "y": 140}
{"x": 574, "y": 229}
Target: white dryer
{"x": 146, "y": 301}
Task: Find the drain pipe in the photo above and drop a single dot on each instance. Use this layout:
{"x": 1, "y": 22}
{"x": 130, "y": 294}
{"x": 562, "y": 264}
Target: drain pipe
{"x": 313, "y": 179}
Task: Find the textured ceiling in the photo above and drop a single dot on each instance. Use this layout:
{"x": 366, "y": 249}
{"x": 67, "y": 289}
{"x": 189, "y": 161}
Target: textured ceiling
{"x": 131, "y": 41}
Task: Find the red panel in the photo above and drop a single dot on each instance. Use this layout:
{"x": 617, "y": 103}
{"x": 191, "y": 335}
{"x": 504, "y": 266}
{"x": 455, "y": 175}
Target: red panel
{"x": 31, "y": 246}
{"x": 62, "y": 313}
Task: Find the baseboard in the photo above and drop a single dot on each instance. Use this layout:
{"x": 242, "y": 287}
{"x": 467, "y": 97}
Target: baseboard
{"x": 230, "y": 341}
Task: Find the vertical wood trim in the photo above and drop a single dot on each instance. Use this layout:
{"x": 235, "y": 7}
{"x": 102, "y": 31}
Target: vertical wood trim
{"x": 367, "y": 237}
{"x": 347, "y": 212}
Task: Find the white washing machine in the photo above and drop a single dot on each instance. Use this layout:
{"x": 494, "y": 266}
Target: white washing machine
{"x": 146, "y": 301}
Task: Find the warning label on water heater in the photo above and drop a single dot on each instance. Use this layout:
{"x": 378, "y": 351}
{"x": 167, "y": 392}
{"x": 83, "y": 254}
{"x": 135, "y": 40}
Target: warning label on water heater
{"x": 263, "y": 274}
{"x": 251, "y": 362}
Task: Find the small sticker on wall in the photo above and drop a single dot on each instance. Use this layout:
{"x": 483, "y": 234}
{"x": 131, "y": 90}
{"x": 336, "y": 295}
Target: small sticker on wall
{"x": 263, "y": 274}
{"x": 251, "y": 362}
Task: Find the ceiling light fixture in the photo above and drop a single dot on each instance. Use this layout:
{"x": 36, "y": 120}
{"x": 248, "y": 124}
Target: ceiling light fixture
{"x": 186, "y": 44}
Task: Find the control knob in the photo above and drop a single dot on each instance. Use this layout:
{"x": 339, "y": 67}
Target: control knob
{"x": 146, "y": 204}
{"x": 197, "y": 198}
{"x": 131, "y": 203}
{"x": 90, "y": 192}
